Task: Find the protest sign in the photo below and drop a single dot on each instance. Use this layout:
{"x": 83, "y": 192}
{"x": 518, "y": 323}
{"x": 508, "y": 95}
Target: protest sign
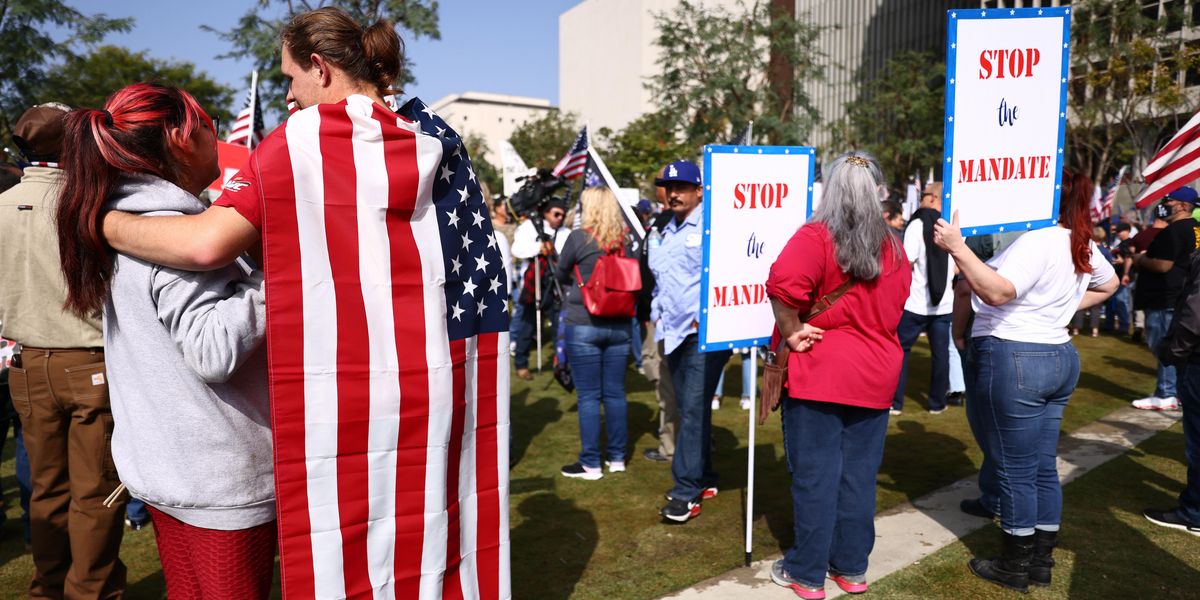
{"x": 230, "y": 158}
{"x": 1006, "y": 117}
{"x": 755, "y": 198}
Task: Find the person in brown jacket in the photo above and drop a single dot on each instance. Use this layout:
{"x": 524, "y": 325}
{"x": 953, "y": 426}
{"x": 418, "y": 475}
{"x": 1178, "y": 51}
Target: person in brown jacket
{"x": 59, "y": 386}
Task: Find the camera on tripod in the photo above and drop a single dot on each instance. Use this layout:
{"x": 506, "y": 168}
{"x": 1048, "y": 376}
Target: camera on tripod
{"x": 538, "y": 189}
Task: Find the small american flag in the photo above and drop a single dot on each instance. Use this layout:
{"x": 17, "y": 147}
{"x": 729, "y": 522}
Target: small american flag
{"x": 248, "y": 127}
{"x": 387, "y": 332}
{"x": 1174, "y": 166}
{"x": 573, "y": 164}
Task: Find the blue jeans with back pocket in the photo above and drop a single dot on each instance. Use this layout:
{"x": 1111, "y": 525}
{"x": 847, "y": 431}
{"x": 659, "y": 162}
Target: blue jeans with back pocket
{"x": 1022, "y": 389}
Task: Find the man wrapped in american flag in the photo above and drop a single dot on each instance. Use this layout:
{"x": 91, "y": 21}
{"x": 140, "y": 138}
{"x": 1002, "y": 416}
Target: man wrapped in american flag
{"x": 386, "y": 327}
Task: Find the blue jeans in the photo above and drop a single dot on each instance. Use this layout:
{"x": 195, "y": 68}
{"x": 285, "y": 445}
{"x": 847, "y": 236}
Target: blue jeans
{"x": 1022, "y": 390}
{"x": 527, "y": 332}
{"x": 1157, "y": 322}
{"x": 1116, "y": 308}
{"x": 598, "y": 356}
{"x": 1189, "y": 399}
{"x": 833, "y": 452}
{"x": 989, "y": 485}
{"x": 937, "y": 327}
{"x": 694, "y": 375}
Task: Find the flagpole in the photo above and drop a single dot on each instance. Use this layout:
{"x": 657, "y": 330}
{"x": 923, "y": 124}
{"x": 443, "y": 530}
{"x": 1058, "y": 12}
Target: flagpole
{"x": 750, "y": 453}
{"x": 253, "y": 103}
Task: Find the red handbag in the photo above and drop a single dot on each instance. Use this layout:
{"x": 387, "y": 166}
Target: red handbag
{"x": 613, "y": 288}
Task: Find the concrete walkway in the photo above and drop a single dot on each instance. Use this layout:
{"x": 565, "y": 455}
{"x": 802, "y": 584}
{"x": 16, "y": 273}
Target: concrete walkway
{"x": 914, "y": 530}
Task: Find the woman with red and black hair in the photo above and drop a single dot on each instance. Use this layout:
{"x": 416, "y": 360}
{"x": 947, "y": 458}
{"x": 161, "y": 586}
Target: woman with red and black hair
{"x": 186, "y": 364}
{"x": 1024, "y": 370}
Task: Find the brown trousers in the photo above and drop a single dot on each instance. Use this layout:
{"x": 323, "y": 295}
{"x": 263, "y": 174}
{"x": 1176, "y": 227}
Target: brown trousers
{"x": 668, "y": 416}
{"x": 62, "y": 398}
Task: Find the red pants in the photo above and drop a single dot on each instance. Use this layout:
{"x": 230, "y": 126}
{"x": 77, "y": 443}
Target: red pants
{"x": 212, "y": 564}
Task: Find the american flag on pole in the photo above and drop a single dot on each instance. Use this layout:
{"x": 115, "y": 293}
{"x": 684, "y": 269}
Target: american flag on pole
{"x": 573, "y": 164}
{"x": 1174, "y": 166}
{"x": 387, "y": 332}
{"x": 248, "y": 126}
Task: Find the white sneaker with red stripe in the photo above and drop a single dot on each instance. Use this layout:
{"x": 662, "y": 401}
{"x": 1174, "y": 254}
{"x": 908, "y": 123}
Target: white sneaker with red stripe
{"x": 1156, "y": 403}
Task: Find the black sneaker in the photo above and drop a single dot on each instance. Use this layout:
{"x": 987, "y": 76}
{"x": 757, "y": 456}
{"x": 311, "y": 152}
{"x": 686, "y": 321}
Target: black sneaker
{"x": 955, "y": 398}
{"x": 1170, "y": 518}
{"x": 578, "y": 471}
{"x": 135, "y": 525}
{"x": 680, "y": 511}
{"x": 654, "y": 455}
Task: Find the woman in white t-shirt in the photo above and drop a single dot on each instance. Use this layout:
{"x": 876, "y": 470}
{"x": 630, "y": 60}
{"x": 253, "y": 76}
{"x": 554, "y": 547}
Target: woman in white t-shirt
{"x": 1025, "y": 369}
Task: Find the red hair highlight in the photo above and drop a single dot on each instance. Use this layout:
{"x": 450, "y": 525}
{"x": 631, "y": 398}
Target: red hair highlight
{"x": 1074, "y": 213}
{"x": 131, "y": 135}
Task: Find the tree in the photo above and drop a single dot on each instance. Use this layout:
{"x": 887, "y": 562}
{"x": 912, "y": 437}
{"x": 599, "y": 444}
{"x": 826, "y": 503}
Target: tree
{"x": 721, "y": 69}
{"x": 635, "y": 154}
{"x": 87, "y": 81}
{"x": 27, "y": 47}
{"x": 898, "y": 116}
{"x": 486, "y": 172}
{"x": 257, "y": 36}
{"x": 541, "y": 142}
{"x": 1129, "y": 68}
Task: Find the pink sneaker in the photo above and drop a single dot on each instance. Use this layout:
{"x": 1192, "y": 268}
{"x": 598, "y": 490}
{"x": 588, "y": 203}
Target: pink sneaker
{"x": 780, "y": 577}
{"x": 849, "y": 584}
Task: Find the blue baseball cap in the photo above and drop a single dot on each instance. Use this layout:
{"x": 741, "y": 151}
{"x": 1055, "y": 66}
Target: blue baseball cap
{"x": 684, "y": 171}
{"x": 1184, "y": 194}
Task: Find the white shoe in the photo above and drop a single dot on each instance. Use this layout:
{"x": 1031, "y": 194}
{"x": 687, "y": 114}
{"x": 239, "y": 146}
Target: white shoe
{"x": 1156, "y": 403}
{"x": 716, "y": 403}
{"x": 745, "y": 403}
{"x": 615, "y": 466}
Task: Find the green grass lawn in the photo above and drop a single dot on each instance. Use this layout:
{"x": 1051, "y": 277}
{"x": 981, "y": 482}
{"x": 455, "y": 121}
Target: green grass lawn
{"x": 604, "y": 539}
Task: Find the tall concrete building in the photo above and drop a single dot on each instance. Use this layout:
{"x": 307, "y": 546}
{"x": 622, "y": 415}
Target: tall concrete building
{"x": 490, "y": 116}
{"x": 858, "y": 39}
{"x": 606, "y": 53}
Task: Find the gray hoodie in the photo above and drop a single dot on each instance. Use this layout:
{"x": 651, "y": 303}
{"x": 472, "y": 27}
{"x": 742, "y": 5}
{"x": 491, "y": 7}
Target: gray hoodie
{"x": 188, "y": 379}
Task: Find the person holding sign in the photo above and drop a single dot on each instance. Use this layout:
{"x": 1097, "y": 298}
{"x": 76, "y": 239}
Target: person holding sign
{"x": 841, "y": 371}
{"x": 1025, "y": 370}
{"x": 676, "y": 265}
{"x": 929, "y": 302}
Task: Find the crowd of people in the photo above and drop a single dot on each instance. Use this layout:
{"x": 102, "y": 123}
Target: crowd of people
{"x": 167, "y": 289}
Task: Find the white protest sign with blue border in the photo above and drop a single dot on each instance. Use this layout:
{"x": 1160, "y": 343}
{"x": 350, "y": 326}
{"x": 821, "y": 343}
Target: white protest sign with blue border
{"x": 755, "y": 198}
{"x": 1006, "y": 117}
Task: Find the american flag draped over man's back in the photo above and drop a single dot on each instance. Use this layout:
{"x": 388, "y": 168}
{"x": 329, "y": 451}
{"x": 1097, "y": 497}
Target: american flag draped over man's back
{"x": 387, "y": 334}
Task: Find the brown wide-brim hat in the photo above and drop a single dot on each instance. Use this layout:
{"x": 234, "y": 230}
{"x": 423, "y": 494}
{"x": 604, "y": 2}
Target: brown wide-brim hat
{"x": 39, "y": 132}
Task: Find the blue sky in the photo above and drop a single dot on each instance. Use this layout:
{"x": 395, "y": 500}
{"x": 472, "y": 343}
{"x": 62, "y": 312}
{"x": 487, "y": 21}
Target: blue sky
{"x": 499, "y": 46}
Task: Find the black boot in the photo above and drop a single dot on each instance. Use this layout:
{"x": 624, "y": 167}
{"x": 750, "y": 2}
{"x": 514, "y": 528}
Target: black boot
{"x": 1043, "y": 559}
{"x": 1010, "y": 570}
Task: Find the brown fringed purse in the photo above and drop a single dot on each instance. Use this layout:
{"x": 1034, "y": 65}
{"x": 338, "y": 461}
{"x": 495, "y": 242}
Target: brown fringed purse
{"x": 775, "y": 365}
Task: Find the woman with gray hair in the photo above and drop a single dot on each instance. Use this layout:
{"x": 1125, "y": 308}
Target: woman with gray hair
{"x": 837, "y": 289}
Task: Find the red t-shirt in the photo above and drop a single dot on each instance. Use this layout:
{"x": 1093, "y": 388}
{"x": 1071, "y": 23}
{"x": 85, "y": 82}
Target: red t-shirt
{"x": 244, "y": 192}
{"x": 858, "y": 360}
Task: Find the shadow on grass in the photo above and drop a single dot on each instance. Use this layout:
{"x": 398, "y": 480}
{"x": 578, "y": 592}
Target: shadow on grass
{"x": 571, "y": 539}
{"x": 153, "y": 586}
{"x": 1129, "y": 365}
{"x": 914, "y": 478}
{"x": 528, "y": 420}
{"x": 1096, "y": 383}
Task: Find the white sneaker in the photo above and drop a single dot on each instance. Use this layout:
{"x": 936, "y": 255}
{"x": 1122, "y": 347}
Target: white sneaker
{"x": 745, "y": 403}
{"x": 1156, "y": 403}
{"x": 615, "y": 466}
{"x": 716, "y": 403}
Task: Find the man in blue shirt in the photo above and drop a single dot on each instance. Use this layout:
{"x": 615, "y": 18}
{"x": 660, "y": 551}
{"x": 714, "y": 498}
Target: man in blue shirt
{"x": 675, "y": 309}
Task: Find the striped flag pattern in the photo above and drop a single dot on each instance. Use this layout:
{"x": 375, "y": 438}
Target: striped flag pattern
{"x": 575, "y": 162}
{"x": 248, "y": 126}
{"x": 387, "y": 336}
{"x": 1174, "y": 166}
